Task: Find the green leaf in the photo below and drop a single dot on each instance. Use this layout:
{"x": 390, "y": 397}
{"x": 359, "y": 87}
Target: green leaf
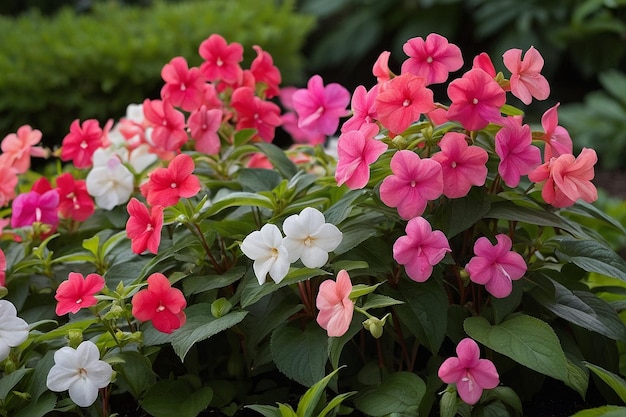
{"x": 616, "y": 383}
{"x": 92, "y": 244}
{"x": 258, "y": 179}
{"x": 604, "y": 411}
{"x": 176, "y": 398}
{"x": 39, "y": 408}
{"x": 265, "y": 410}
{"x": 578, "y": 378}
{"x": 239, "y": 199}
{"x": 136, "y": 371}
{"x": 277, "y": 157}
{"x": 335, "y": 402}
{"x": 527, "y": 340}
{"x": 507, "y": 210}
{"x": 400, "y": 392}
{"x": 62, "y": 331}
{"x": 197, "y": 284}
{"x": 308, "y": 402}
{"x": 286, "y": 410}
{"x": 461, "y": 213}
{"x": 7, "y": 382}
{"x": 592, "y": 256}
{"x": 380, "y": 301}
{"x": 506, "y": 395}
{"x": 336, "y": 344}
{"x": 339, "y": 211}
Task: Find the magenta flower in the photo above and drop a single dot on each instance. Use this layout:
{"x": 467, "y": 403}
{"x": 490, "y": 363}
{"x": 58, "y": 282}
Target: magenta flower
{"x": 414, "y": 182}
{"x": 432, "y": 58}
{"x": 557, "y": 138}
{"x": 363, "y": 108}
{"x": 476, "y": 99}
{"x": 462, "y": 165}
{"x": 32, "y": 207}
{"x": 319, "y": 107}
{"x": 336, "y": 308}
{"x": 496, "y": 266}
{"x": 402, "y": 102}
{"x": 471, "y": 374}
{"x": 483, "y": 61}
{"x": 517, "y": 154}
{"x": 356, "y": 150}
{"x": 421, "y": 249}
{"x": 526, "y": 80}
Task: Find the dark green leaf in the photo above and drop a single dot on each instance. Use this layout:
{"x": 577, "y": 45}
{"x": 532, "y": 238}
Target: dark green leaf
{"x": 175, "y": 398}
{"x": 258, "y": 179}
{"x": 592, "y": 256}
{"x": 7, "y": 382}
{"x": 277, "y": 157}
{"x": 39, "y": 408}
{"x": 239, "y": 199}
{"x": 510, "y": 211}
{"x": 604, "y": 411}
{"x": 400, "y": 392}
{"x": 197, "y": 284}
{"x": 616, "y": 382}
{"x": 459, "y": 214}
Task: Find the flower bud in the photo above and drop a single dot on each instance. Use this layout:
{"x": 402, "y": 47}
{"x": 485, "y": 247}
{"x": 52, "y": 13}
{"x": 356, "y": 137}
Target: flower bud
{"x": 220, "y": 307}
{"x": 375, "y": 325}
{"x": 400, "y": 142}
{"x": 75, "y": 337}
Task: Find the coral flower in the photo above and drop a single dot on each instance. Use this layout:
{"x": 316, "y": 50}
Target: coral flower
{"x": 252, "y": 112}
{"x": 432, "y": 58}
{"x": 414, "y": 182}
{"x": 471, "y": 374}
{"x": 557, "y": 138}
{"x": 168, "y": 133}
{"x": 32, "y": 207}
{"x": 333, "y": 302}
{"x": 270, "y": 256}
{"x": 183, "y": 85}
{"x": 264, "y": 71}
{"x": 144, "y": 226}
{"x": 80, "y": 144}
{"x": 518, "y": 156}
{"x": 203, "y": 125}
{"x": 77, "y": 292}
{"x": 74, "y": 200}
{"x": 420, "y": 249}
{"x": 381, "y": 70}
{"x": 496, "y": 266}
{"x": 17, "y": 148}
{"x": 221, "y": 60}
{"x": 357, "y": 150}
{"x": 161, "y": 304}
{"x": 8, "y": 184}
{"x": 167, "y": 185}
{"x": 526, "y": 80}
{"x": 320, "y": 107}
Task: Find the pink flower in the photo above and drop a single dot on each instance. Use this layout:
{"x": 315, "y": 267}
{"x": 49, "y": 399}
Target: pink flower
{"x": 567, "y": 178}
{"x": 402, "y": 102}
{"x": 319, "y": 107}
{"x": 526, "y": 80}
{"x": 432, "y": 58}
{"x": 168, "y": 132}
{"x": 363, "y": 109}
{"x": 471, "y": 374}
{"x": 414, "y": 182}
{"x": 517, "y": 154}
{"x": 183, "y": 86}
{"x": 357, "y": 150}
{"x": 3, "y": 268}
{"x": 336, "y": 308}
{"x": 264, "y": 71}
{"x": 496, "y": 266}
{"x": 290, "y": 121}
{"x": 161, "y": 304}
{"x": 77, "y": 292}
{"x": 476, "y": 99}
{"x": 167, "y": 185}
{"x": 8, "y": 184}
{"x": 32, "y": 207}
{"x": 462, "y": 165}
{"x": 483, "y": 61}
{"x": 74, "y": 200}
{"x": 18, "y": 148}
{"x": 420, "y": 249}
{"x": 203, "y": 125}
{"x": 221, "y": 60}
{"x": 381, "y": 70}
{"x": 144, "y": 227}
{"x": 252, "y": 112}
{"x": 557, "y": 138}
{"x": 79, "y": 145}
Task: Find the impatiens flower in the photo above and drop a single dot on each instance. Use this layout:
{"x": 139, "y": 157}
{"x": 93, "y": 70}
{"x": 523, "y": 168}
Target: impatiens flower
{"x": 319, "y": 107}
{"x": 221, "y": 60}
{"x": 476, "y": 99}
{"x": 161, "y": 304}
{"x": 414, "y": 182}
{"x": 557, "y": 138}
{"x": 74, "y": 200}
{"x": 381, "y": 70}
{"x": 432, "y": 58}
{"x": 309, "y": 238}
{"x": 462, "y": 165}
{"x": 496, "y": 266}
{"x": 420, "y": 249}
{"x": 17, "y": 148}
{"x": 81, "y": 372}
{"x": 32, "y": 207}
{"x": 356, "y": 151}
{"x": 13, "y": 329}
{"x": 168, "y": 132}
{"x": 402, "y": 102}
{"x": 144, "y": 226}
{"x": 77, "y": 292}
{"x": 290, "y": 121}
{"x": 167, "y": 185}
{"x": 109, "y": 181}
{"x": 483, "y": 61}
{"x": 252, "y": 112}
{"x": 333, "y": 302}
{"x": 471, "y": 374}
{"x": 518, "y": 156}
{"x": 266, "y": 248}
{"x": 80, "y": 144}
{"x": 363, "y": 109}
{"x": 183, "y": 85}
{"x": 526, "y": 80}
{"x": 8, "y": 184}
{"x": 567, "y": 178}
{"x": 3, "y": 267}
{"x": 264, "y": 71}
{"x": 203, "y": 125}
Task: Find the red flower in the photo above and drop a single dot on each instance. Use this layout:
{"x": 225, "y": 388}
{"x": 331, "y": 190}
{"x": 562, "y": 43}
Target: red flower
{"x": 252, "y": 112}
{"x": 144, "y": 227}
{"x": 183, "y": 86}
{"x": 265, "y": 71}
{"x": 221, "y": 59}
{"x": 167, "y": 185}
{"x": 77, "y": 292}
{"x": 74, "y": 200}
{"x": 169, "y": 124}
{"x": 79, "y": 145}
{"x": 161, "y": 304}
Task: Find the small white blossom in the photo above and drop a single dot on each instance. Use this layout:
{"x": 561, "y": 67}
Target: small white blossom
{"x": 81, "y": 372}
{"x": 308, "y": 237}
{"x": 266, "y": 248}
{"x": 13, "y": 330}
{"x": 109, "y": 181}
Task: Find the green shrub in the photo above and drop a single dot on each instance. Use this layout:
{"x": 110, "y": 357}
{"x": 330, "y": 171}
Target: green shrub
{"x": 53, "y": 70}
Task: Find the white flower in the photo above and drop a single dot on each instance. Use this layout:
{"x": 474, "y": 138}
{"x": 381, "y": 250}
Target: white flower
{"x": 109, "y": 181}
{"x": 81, "y": 372}
{"x": 13, "y": 330}
{"x": 266, "y": 248}
{"x": 308, "y": 237}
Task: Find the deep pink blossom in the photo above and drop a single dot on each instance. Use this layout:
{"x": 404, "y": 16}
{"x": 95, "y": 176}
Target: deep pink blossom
{"x": 320, "y": 107}
{"x": 32, "y": 207}
{"x": 77, "y": 292}
{"x": 483, "y": 61}
{"x": 167, "y": 185}
{"x": 160, "y": 303}
{"x": 168, "y": 132}
{"x": 363, "y": 108}
{"x": 333, "y": 302}
{"x": 526, "y": 80}
{"x": 253, "y": 112}
{"x": 183, "y": 85}
{"x": 518, "y": 156}
{"x": 203, "y": 125}
{"x": 264, "y": 71}
{"x": 144, "y": 226}
{"x": 462, "y": 165}
{"x": 432, "y": 58}
{"x": 290, "y": 121}
{"x": 402, "y": 102}
{"x": 79, "y": 145}
{"x": 471, "y": 374}
{"x": 496, "y": 266}
{"x": 557, "y": 138}
{"x": 221, "y": 60}
{"x": 476, "y": 99}
{"x": 3, "y": 267}
{"x": 74, "y": 200}
{"x": 381, "y": 70}
{"x": 420, "y": 249}
{"x": 414, "y": 182}
{"x": 17, "y": 148}
{"x": 357, "y": 150}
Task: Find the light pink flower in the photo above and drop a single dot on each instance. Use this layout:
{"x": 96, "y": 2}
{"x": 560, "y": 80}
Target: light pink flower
{"x": 381, "y": 70}
{"x": 183, "y": 85}
{"x": 336, "y": 308}
{"x": 17, "y": 148}
{"x": 203, "y": 125}
{"x": 432, "y": 58}
{"x": 462, "y": 165}
{"x": 402, "y": 102}
{"x": 526, "y": 80}
{"x": 357, "y": 150}
{"x": 8, "y": 184}
{"x": 221, "y": 60}
{"x": 557, "y": 138}
{"x": 414, "y": 182}
{"x": 319, "y": 107}
{"x": 517, "y": 154}
{"x": 363, "y": 108}
{"x": 496, "y": 266}
{"x": 420, "y": 249}
{"x": 471, "y": 374}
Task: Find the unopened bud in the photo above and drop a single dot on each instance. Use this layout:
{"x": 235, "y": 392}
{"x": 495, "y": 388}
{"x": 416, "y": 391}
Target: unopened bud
{"x": 375, "y": 325}
{"x": 220, "y": 307}
{"x": 75, "y": 337}
{"x": 400, "y": 142}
